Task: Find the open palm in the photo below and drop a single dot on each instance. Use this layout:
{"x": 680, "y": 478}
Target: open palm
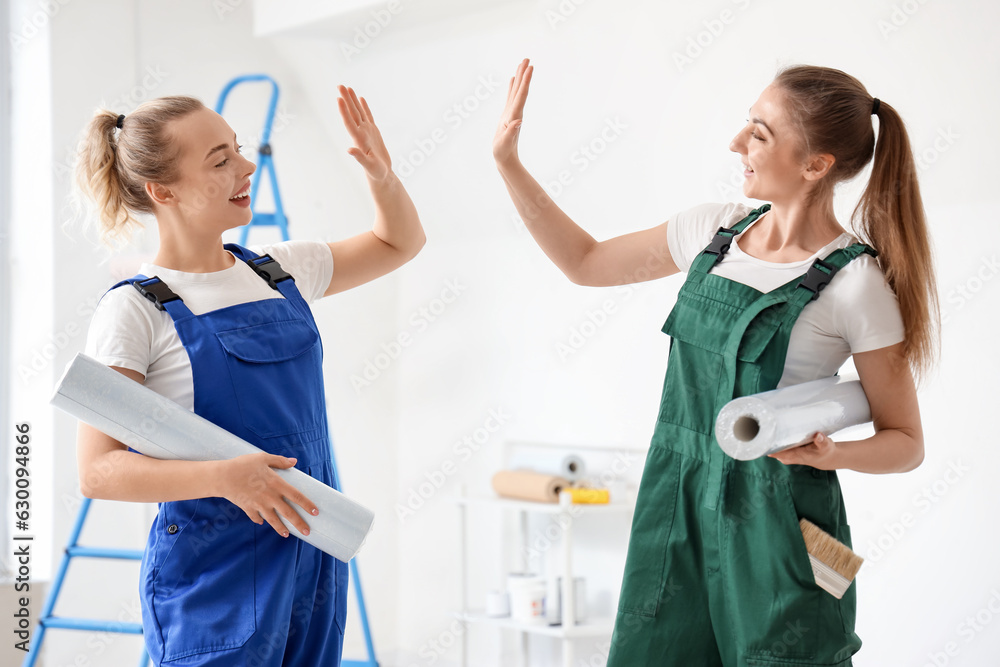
{"x": 505, "y": 139}
{"x": 368, "y": 149}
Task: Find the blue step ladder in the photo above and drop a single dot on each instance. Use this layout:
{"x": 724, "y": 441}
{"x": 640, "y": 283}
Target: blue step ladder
{"x": 49, "y": 620}
{"x": 264, "y": 162}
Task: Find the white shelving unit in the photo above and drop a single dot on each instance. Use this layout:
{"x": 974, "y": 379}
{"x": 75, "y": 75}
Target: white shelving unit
{"x": 567, "y": 513}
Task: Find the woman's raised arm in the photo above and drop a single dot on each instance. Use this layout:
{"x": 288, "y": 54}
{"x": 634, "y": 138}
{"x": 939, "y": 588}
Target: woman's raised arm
{"x": 396, "y": 235}
{"x": 634, "y": 257}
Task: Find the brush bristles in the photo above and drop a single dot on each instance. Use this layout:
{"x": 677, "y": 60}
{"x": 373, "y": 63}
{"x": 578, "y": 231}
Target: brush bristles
{"x": 824, "y": 547}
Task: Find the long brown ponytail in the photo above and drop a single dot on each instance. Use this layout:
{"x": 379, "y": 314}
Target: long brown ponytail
{"x": 834, "y": 111}
{"x": 114, "y": 164}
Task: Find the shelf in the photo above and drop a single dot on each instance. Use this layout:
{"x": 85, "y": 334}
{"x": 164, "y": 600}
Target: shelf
{"x": 598, "y": 627}
{"x": 543, "y": 508}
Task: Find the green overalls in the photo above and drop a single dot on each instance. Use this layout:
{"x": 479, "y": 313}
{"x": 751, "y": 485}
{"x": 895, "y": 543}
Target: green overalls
{"x": 717, "y": 571}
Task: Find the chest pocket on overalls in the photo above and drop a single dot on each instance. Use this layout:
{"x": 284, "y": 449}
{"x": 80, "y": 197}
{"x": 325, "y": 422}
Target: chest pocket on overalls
{"x": 698, "y": 339}
{"x": 266, "y": 362}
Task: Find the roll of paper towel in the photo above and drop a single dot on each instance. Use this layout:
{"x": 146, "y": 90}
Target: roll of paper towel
{"x": 158, "y": 427}
{"x": 528, "y": 485}
{"x": 568, "y": 466}
{"x": 753, "y": 426}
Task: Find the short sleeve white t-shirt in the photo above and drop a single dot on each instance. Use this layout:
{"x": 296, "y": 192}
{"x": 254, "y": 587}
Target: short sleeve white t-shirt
{"x": 856, "y": 312}
{"x": 128, "y": 332}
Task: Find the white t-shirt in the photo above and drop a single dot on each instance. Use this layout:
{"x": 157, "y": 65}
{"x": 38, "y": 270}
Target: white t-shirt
{"x": 856, "y": 312}
{"x": 129, "y": 332}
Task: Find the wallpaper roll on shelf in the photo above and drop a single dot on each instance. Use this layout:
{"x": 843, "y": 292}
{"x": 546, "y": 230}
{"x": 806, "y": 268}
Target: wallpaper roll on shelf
{"x": 753, "y": 426}
{"x": 158, "y": 427}
{"x": 529, "y": 485}
{"x": 568, "y": 466}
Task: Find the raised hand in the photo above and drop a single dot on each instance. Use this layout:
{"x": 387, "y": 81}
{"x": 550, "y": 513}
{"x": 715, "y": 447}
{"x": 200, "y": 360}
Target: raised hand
{"x": 368, "y": 149}
{"x": 505, "y": 139}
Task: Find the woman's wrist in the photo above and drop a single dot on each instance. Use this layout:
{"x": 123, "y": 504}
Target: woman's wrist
{"x": 509, "y": 164}
{"x": 386, "y": 184}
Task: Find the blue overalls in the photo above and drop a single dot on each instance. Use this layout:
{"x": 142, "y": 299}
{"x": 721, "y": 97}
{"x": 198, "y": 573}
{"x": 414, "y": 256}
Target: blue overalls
{"x": 218, "y": 590}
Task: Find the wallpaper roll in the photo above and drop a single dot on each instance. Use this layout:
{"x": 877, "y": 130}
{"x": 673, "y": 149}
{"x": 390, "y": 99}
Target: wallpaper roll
{"x": 158, "y": 427}
{"x": 568, "y": 466}
{"x": 761, "y": 424}
{"x": 529, "y": 485}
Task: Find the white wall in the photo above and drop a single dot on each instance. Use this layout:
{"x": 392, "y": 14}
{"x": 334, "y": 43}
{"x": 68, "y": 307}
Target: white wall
{"x": 926, "y": 536}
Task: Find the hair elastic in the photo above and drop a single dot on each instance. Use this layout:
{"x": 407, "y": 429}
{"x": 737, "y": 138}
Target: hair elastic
{"x": 875, "y": 106}
{"x": 121, "y": 119}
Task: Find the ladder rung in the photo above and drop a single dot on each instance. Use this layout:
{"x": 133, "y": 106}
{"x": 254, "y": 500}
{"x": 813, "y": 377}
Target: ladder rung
{"x": 263, "y": 219}
{"x": 91, "y": 624}
{"x": 98, "y": 552}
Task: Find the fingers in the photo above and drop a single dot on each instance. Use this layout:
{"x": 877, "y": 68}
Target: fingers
{"x": 272, "y": 518}
{"x": 293, "y": 495}
{"x": 350, "y": 102}
{"x": 278, "y": 461}
{"x": 518, "y": 90}
{"x": 356, "y": 105}
{"x": 368, "y": 112}
{"x": 282, "y": 495}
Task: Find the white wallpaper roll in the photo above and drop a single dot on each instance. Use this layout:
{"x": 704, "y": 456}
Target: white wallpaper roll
{"x": 158, "y": 427}
{"x": 754, "y": 426}
{"x": 567, "y": 466}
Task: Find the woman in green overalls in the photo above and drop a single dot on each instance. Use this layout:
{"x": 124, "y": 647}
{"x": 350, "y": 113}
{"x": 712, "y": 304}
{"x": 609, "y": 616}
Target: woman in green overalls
{"x": 717, "y": 572}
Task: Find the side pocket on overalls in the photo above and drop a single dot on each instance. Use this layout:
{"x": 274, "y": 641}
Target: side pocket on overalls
{"x": 645, "y": 584}
{"x": 810, "y": 626}
{"x": 201, "y": 594}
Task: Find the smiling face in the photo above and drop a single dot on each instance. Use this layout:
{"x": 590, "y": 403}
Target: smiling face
{"x": 770, "y": 148}
{"x": 213, "y": 191}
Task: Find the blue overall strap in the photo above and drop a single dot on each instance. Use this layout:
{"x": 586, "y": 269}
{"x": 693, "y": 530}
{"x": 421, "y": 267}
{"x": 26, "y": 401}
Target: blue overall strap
{"x": 722, "y": 240}
{"x": 268, "y": 269}
{"x": 156, "y": 292}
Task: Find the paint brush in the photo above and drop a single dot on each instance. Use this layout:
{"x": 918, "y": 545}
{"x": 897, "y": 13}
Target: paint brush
{"x": 834, "y": 565}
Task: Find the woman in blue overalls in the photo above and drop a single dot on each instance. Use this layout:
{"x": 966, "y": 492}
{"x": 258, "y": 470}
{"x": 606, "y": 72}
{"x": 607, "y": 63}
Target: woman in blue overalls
{"x": 717, "y": 572}
{"x": 228, "y": 333}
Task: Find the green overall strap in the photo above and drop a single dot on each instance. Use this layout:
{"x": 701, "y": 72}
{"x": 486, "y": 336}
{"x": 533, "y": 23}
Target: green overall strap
{"x": 723, "y": 238}
{"x": 805, "y": 290}
{"x": 821, "y": 273}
